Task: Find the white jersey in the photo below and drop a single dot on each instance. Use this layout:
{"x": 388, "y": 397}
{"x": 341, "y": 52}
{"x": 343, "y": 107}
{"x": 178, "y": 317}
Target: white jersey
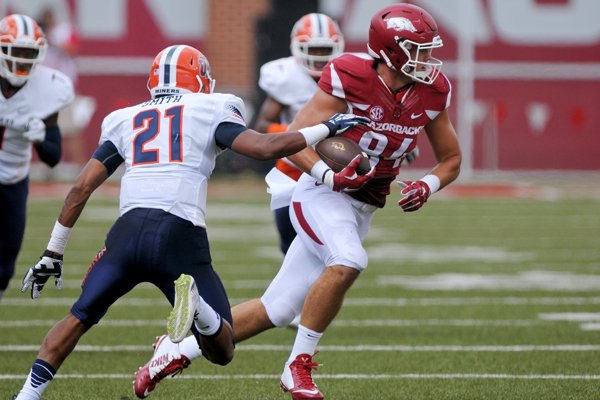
{"x": 169, "y": 149}
{"x": 288, "y": 83}
{"x": 44, "y": 94}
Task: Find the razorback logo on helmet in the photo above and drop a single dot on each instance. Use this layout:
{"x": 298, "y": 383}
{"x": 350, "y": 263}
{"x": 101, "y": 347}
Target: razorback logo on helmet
{"x": 180, "y": 69}
{"x": 315, "y": 40}
{"x": 400, "y": 24}
{"x": 403, "y": 36}
{"x": 22, "y": 47}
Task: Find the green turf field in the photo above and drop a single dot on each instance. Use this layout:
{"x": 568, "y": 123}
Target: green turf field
{"x": 469, "y": 298}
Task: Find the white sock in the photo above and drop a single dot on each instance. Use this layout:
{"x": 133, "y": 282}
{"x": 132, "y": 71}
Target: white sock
{"x": 207, "y": 320}
{"x": 189, "y": 348}
{"x": 306, "y": 342}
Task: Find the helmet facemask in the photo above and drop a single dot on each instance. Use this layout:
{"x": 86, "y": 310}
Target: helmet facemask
{"x": 315, "y": 40}
{"x": 314, "y": 54}
{"x": 426, "y": 70}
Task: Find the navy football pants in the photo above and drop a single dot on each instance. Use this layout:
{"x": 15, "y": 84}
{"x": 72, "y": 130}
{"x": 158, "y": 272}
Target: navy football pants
{"x": 286, "y": 230}
{"x": 149, "y": 245}
{"x": 13, "y": 209}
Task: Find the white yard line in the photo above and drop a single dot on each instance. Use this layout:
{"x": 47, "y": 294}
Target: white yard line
{"x": 349, "y": 302}
{"x": 357, "y": 348}
{"x": 590, "y": 326}
{"x": 570, "y": 316}
{"x": 329, "y": 376}
{"x": 339, "y": 323}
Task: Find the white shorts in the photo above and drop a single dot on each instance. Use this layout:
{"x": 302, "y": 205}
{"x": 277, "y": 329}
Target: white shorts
{"x": 331, "y": 227}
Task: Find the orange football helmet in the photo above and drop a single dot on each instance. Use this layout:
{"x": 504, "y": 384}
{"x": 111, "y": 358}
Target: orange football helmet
{"x": 180, "y": 69}
{"x": 316, "y": 39}
{"x": 22, "y": 47}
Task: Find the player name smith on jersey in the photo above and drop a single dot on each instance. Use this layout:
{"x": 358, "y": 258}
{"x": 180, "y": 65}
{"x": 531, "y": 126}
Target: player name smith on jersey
{"x": 169, "y": 148}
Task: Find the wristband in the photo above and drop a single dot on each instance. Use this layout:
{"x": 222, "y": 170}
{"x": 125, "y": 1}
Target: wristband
{"x": 433, "y": 182}
{"x": 59, "y": 238}
{"x": 314, "y": 134}
{"x": 319, "y": 170}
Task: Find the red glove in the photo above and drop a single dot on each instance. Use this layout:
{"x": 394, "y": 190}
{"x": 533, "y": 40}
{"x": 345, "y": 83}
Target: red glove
{"x": 415, "y": 195}
{"x": 347, "y": 180}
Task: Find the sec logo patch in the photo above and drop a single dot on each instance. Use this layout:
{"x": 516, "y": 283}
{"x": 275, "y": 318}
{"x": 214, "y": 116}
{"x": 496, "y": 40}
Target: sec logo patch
{"x": 376, "y": 113}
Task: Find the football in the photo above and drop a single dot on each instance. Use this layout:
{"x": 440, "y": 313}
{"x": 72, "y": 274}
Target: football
{"x": 338, "y": 151}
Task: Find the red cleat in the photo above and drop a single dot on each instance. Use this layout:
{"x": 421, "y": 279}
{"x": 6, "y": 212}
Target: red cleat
{"x": 166, "y": 362}
{"x": 297, "y": 379}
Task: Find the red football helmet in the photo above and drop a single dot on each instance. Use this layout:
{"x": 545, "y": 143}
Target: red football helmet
{"x": 316, "y": 39}
{"x": 400, "y": 28}
{"x": 22, "y": 47}
{"x": 180, "y": 69}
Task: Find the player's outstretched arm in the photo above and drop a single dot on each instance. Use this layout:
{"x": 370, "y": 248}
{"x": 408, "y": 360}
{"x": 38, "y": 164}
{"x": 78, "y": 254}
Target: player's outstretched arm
{"x": 267, "y": 147}
{"x": 51, "y": 261}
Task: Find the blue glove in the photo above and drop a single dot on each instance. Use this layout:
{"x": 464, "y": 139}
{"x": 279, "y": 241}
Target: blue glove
{"x": 50, "y": 264}
{"x": 340, "y": 123}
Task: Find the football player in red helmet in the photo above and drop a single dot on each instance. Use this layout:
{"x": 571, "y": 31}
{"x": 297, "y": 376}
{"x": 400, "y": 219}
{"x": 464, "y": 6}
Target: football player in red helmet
{"x": 402, "y": 91}
{"x": 169, "y": 146}
{"x": 32, "y": 96}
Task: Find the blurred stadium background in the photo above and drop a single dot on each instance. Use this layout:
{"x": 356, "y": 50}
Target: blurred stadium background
{"x": 526, "y": 73}
{"x": 490, "y": 291}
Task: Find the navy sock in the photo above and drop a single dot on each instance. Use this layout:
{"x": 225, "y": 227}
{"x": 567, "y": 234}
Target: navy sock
{"x": 41, "y": 372}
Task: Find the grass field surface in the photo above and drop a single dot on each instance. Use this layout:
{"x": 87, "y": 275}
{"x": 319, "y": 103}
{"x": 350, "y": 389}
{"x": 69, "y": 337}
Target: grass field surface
{"x": 488, "y": 292}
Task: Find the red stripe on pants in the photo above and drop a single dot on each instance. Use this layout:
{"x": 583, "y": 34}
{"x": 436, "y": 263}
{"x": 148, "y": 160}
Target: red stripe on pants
{"x": 303, "y": 223}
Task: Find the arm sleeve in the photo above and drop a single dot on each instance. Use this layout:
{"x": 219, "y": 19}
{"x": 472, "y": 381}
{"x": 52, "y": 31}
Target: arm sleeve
{"x": 226, "y": 133}
{"x": 50, "y": 149}
{"x": 108, "y": 155}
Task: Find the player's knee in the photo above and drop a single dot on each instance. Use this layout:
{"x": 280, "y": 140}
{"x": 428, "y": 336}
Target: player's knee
{"x": 222, "y": 357}
{"x": 355, "y": 258}
{"x": 280, "y": 312}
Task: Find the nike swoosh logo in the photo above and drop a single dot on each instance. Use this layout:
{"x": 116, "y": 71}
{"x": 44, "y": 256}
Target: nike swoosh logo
{"x": 415, "y": 116}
